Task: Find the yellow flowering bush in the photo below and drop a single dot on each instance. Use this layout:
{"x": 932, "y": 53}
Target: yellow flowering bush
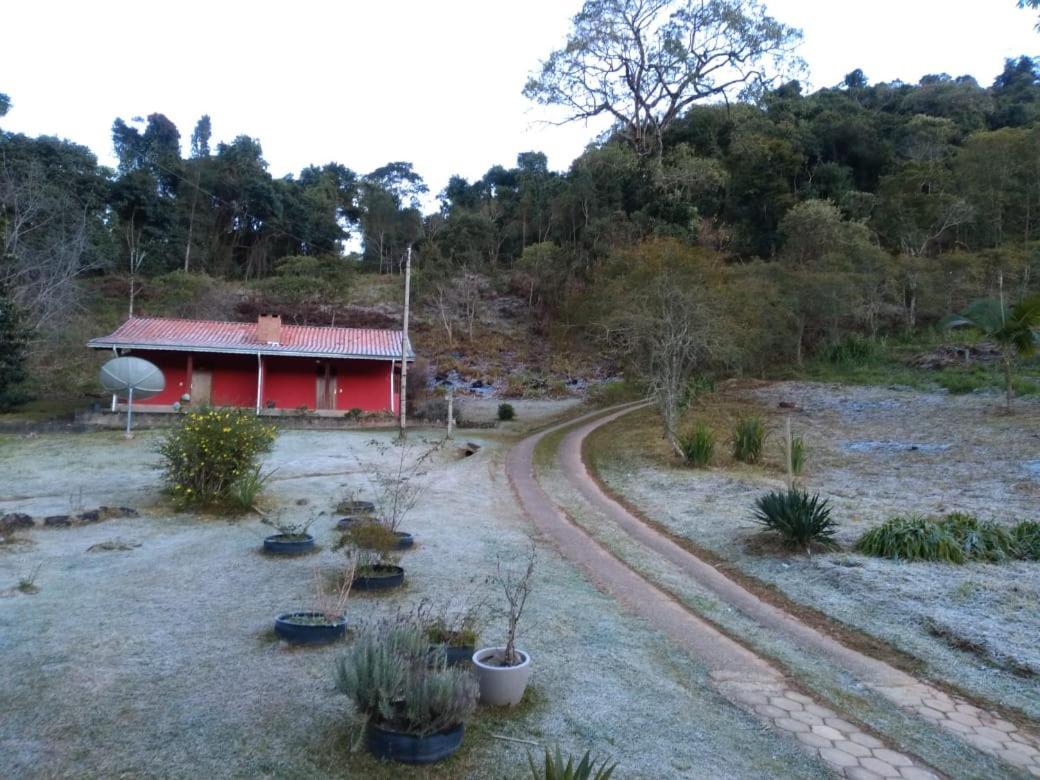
{"x": 210, "y": 451}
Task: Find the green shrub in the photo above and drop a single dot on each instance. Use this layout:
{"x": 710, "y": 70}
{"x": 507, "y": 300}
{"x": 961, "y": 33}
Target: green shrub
{"x": 956, "y": 538}
{"x": 210, "y": 452}
{"x": 698, "y": 446}
{"x": 1027, "y": 540}
{"x": 980, "y": 541}
{"x": 247, "y": 487}
{"x": 748, "y": 438}
{"x": 800, "y": 519}
{"x": 854, "y": 349}
{"x": 506, "y": 412}
{"x": 372, "y": 535}
{"x": 555, "y": 768}
{"x": 398, "y": 683}
{"x": 912, "y": 538}
{"x": 797, "y": 454}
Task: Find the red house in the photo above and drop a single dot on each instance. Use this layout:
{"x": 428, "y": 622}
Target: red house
{"x": 264, "y": 364}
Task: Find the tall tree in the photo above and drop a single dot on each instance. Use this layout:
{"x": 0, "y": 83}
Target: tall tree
{"x": 644, "y": 62}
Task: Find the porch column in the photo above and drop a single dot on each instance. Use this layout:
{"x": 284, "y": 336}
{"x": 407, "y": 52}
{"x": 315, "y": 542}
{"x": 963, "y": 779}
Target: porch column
{"x": 259, "y": 381}
{"x": 392, "y": 409}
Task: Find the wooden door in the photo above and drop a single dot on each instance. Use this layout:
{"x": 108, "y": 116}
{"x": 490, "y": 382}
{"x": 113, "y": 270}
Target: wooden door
{"x": 201, "y": 387}
{"x": 325, "y": 387}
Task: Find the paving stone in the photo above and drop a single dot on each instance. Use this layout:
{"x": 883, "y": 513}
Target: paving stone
{"x": 838, "y": 757}
{"x": 859, "y": 773}
{"x": 879, "y": 767}
{"x": 989, "y": 732}
{"x": 822, "y": 712}
{"x": 798, "y": 697}
{"x": 814, "y": 740}
{"x": 928, "y": 712}
{"x": 916, "y": 773}
{"x": 968, "y": 709}
{"x": 852, "y": 748}
{"x": 866, "y": 740}
{"x": 785, "y": 704}
{"x": 753, "y": 697}
{"x": 953, "y": 725}
{"x": 1001, "y": 725}
{"x": 1016, "y": 758}
{"x": 986, "y": 744}
{"x": 788, "y": 724}
{"x": 840, "y": 725}
{"x": 892, "y": 757}
{"x": 828, "y": 732}
{"x": 965, "y": 718}
{"x": 807, "y": 717}
{"x": 771, "y": 712}
{"x": 943, "y": 705}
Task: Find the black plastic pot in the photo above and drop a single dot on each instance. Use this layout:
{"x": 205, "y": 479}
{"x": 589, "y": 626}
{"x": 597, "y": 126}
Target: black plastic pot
{"x": 308, "y": 633}
{"x": 404, "y": 540}
{"x": 382, "y": 577}
{"x": 459, "y": 656}
{"x": 348, "y": 522}
{"x": 280, "y": 544}
{"x": 356, "y": 508}
{"x": 409, "y": 749}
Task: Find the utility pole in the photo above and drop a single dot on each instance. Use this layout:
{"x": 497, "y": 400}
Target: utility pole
{"x": 451, "y": 414}
{"x": 404, "y": 343}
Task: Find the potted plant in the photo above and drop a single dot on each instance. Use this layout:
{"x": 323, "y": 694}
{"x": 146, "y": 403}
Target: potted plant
{"x": 324, "y": 624}
{"x": 453, "y": 634}
{"x": 414, "y": 710}
{"x": 291, "y": 539}
{"x": 397, "y": 488}
{"x": 503, "y": 671}
{"x": 352, "y": 506}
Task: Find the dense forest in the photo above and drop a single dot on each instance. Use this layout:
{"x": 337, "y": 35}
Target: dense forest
{"x": 793, "y": 219}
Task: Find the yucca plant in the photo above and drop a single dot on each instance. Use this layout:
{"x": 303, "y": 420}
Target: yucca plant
{"x": 912, "y": 538}
{"x": 748, "y": 438}
{"x": 1027, "y": 540}
{"x": 800, "y": 519}
{"x": 698, "y": 446}
{"x": 555, "y": 768}
{"x": 980, "y": 541}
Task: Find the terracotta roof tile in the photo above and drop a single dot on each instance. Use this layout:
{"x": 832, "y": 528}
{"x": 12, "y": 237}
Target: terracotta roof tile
{"x": 240, "y": 337}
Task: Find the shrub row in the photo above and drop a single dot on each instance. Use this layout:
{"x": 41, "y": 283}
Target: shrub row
{"x": 749, "y": 436}
{"x": 955, "y": 538}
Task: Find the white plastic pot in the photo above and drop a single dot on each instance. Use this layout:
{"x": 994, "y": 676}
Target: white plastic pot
{"x": 501, "y": 685}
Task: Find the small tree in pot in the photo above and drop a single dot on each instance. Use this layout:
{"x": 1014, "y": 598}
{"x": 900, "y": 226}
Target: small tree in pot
{"x": 413, "y": 705}
{"x": 503, "y": 672}
{"x": 327, "y": 621}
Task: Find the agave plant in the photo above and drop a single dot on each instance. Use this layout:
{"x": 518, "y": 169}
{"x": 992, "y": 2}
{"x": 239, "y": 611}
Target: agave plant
{"x": 800, "y": 519}
{"x": 1013, "y": 331}
{"x": 555, "y": 769}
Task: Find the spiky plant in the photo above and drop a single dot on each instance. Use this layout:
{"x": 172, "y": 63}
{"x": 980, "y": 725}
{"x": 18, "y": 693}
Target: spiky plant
{"x": 698, "y": 446}
{"x": 748, "y": 438}
{"x": 980, "y": 541}
{"x": 801, "y": 520}
{"x": 798, "y": 452}
{"x": 555, "y": 768}
{"x": 912, "y": 538}
{"x": 1027, "y": 540}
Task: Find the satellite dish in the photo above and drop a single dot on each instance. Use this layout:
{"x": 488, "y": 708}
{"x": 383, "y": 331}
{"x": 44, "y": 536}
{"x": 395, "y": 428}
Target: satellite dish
{"x": 123, "y": 374}
{"x": 131, "y": 377}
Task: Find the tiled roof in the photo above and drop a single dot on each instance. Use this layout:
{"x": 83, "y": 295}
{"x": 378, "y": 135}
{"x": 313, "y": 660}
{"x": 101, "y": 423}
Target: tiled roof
{"x": 240, "y": 337}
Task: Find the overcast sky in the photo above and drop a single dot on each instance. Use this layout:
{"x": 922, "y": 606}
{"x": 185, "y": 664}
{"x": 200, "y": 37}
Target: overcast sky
{"x": 435, "y": 83}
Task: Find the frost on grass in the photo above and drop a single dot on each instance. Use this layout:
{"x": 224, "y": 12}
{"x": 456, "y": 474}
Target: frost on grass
{"x": 974, "y": 625}
{"x": 162, "y": 654}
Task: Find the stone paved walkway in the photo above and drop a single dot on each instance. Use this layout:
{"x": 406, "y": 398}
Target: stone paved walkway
{"x": 984, "y": 730}
{"x": 746, "y": 679}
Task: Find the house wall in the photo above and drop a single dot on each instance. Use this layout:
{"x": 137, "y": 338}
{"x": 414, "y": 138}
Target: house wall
{"x": 289, "y": 382}
{"x": 174, "y": 366}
